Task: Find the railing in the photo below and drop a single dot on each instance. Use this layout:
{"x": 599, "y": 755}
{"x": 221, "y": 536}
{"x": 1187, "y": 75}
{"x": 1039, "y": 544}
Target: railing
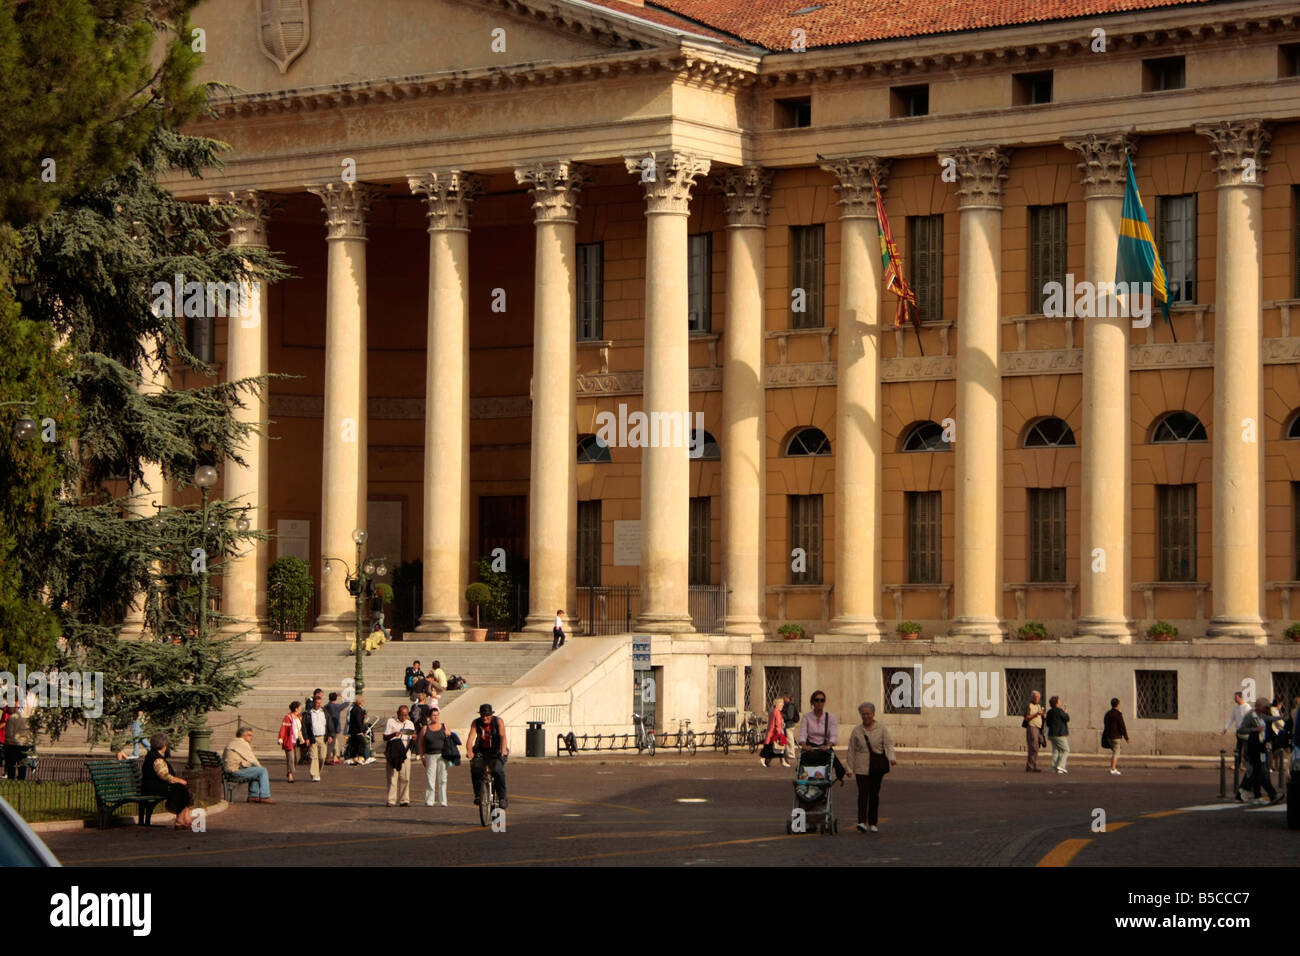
{"x": 614, "y": 610}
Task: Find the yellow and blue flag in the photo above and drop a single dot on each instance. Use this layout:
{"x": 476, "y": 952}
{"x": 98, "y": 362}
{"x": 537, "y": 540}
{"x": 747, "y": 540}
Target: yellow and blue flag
{"x": 1137, "y": 262}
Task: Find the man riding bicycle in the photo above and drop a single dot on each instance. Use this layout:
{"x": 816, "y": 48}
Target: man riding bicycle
{"x": 487, "y": 742}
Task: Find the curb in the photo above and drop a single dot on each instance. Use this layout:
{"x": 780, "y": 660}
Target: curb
{"x": 56, "y": 826}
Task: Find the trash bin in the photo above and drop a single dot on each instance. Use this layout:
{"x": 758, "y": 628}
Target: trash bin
{"x": 536, "y": 739}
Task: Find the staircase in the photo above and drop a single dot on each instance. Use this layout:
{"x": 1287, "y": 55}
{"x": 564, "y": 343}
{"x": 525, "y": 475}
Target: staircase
{"x": 290, "y": 671}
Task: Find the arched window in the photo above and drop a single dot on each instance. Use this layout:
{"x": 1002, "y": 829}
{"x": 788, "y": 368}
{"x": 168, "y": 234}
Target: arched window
{"x": 592, "y": 451}
{"x": 925, "y": 436}
{"x": 1293, "y": 430}
{"x": 704, "y": 447}
{"x": 808, "y": 441}
{"x": 1177, "y": 427}
{"x": 1049, "y": 432}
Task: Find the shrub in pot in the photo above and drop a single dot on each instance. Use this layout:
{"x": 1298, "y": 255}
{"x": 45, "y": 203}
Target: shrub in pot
{"x": 289, "y": 590}
{"x": 1293, "y": 632}
{"x": 909, "y": 630}
{"x": 1162, "y": 631}
{"x": 791, "y": 632}
{"x": 1033, "y": 631}
{"x": 478, "y": 594}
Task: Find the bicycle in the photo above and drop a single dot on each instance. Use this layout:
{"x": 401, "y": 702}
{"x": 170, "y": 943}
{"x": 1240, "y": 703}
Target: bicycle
{"x": 685, "y": 736}
{"x": 488, "y": 801}
{"x": 721, "y": 736}
{"x": 749, "y": 735}
{"x": 645, "y": 736}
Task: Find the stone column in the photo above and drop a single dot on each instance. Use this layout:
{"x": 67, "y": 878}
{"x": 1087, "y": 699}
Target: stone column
{"x": 244, "y": 588}
{"x": 665, "y": 469}
{"x": 448, "y": 194}
{"x": 978, "y": 444}
{"x": 744, "y": 436}
{"x": 553, "y": 476}
{"x": 343, "y": 464}
{"x": 151, "y": 489}
{"x": 857, "y": 403}
{"x": 1104, "y": 577}
{"x": 1240, "y": 148}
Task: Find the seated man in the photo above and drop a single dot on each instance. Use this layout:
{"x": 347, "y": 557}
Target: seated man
{"x": 487, "y": 742}
{"x": 240, "y": 761}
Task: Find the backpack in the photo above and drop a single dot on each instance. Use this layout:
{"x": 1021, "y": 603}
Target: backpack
{"x": 790, "y": 713}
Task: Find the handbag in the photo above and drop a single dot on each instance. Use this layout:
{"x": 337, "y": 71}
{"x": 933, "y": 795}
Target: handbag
{"x": 877, "y": 763}
{"x": 1105, "y": 741}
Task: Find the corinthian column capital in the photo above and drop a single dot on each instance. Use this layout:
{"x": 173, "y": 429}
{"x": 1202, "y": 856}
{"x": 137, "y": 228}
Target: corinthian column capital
{"x": 980, "y": 171}
{"x": 248, "y": 228}
{"x": 1104, "y": 163}
{"x": 668, "y": 176}
{"x": 555, "y": 187}
{"x": 347, "y": 206}
{"x": 448, "y": 194}
{"x": 857, "y": 199}
{"x": 1239, "y": 149}
{"x": 747, "y": 192}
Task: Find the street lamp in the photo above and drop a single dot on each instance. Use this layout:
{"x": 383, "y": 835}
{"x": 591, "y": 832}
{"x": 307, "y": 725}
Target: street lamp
{"x": 358, "y": 585}
{"x": 205, "y": 476}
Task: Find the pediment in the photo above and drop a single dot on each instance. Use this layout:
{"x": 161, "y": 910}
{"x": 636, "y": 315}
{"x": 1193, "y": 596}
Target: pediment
{"x": 267, "y": 46}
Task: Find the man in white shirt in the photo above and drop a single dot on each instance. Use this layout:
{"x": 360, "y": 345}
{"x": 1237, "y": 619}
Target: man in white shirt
{"x": 1239, "y": 711}
{"x": 313, "y": 729}
{"x": 398, "y": 734}
{"x": 557, "y": 633}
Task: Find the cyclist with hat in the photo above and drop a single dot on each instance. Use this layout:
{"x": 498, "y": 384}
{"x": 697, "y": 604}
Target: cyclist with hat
{"x": 487, "y": 742}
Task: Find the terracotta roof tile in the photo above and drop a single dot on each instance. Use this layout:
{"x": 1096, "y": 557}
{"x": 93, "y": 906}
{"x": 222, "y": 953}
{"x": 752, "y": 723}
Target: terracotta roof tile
{"x": 666, "y": 18}
{"x": 769, "y": 23}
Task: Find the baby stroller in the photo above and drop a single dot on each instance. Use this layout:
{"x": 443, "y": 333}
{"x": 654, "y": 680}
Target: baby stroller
{"x": 812, "y": 792}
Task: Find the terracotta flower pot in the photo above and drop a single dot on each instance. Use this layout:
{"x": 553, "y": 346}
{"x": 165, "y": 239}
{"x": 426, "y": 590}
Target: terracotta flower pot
{"x": 292, "y": 635}
{"x": 909, "y": 635}
{"x": 1162, "y": 637}
{"x": 478, "y": 633}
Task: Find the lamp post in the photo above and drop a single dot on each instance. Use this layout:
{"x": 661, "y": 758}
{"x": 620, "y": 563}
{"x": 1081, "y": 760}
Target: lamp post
{"x": 205, "y": 476}
{"x": 358, "y": 584}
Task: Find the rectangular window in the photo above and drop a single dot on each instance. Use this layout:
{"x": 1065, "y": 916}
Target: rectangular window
{"x": 924, "y": 534}
{"x": 924, "y": 265}
{"x": 778, "y": 681}
{"x": 806, "y": 533}
{"x": 1288, "y": 60}
{"x": 901, "y": 696}
{"x": 1166, "y": 73}
{"x": 699, "y": 566}
{"x": 1021, "y": 684}
{"x": 909, "y": 100}
{"x": 1029, "y": 89}
{"x": 200, "y": 337}
{"x": 1177, "y": 528}
{"x": 808, "y": 270}
{"x": 1286, "y": 684}
{"x": 591, "y": 291}
{"x": 1046, "y": 534}
{"x": 589, "y": 544}
{"x": 1047, "y": 251}
{"x": 724, "y": 687}
{"x": 795, "y": 113}
{"x": 1176, "y": 243}
{"x": 700, "y": 280}
{"x": 1157, "y": 694}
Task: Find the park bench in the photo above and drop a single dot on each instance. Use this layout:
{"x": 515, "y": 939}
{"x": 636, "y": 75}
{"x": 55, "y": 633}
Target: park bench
{"x": 117, "y": 782}
{"x": 210, "y": 758}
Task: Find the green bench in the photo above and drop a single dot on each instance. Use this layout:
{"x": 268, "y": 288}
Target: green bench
{"x": 117, "y": 783}
{"x": 211, "y": 759}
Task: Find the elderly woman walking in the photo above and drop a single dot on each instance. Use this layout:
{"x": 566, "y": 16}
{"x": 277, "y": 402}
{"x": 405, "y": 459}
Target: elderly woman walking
{"x": 158, "y": 779}
{"x": 871, "y": 754}
{"x": 774, "y": 740}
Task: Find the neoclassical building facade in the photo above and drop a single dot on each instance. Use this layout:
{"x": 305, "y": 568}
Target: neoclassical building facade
{"x": 507, "y": 217}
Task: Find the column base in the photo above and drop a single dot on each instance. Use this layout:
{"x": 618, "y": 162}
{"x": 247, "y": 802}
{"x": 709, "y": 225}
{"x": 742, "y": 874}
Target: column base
{"x": 665, "y": 624}
{"x": 973, "y": 630}
{"x": 1113, "y": 630}
{"x": 865, "y": 628}
{"x": 747, "y": 625}
{"x": 1243, "y": 628}
{"x": 545, "y": 624}
{"x": 443, "y": 628}
{"x": 337, "y": 623}
{"x": 250, "y": 630}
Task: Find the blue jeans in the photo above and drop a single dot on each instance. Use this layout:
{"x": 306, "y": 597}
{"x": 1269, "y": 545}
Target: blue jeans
{"x": 261, "y": 780}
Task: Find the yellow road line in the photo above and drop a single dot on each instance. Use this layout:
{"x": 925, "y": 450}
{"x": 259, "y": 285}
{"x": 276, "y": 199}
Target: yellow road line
{"x": 606, "y": 856}
{"x": 1163, "y": 813}
{"x": 1112, "y": 827}
{"x": 1063, "y": 853}
{"x": 514, "y": 796}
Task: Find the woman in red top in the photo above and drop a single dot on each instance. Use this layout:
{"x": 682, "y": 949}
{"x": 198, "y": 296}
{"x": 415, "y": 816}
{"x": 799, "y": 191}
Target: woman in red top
{"x": 291, "y": 736}
{"x": 774, "y": 739}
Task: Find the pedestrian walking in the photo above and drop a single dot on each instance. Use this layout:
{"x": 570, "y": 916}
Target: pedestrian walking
{"x": 358, "y": 739}
{"x": 820, "y": 730}
{"x": 138, "y": 740}
{"x": 435, "y": 740}
{"x": 1033, "y": 724}
{"x": 871, "y": 754}
{"x": 333, "y": 727}
{"x": 1114, "y": 734}
{"x": 790, "y": 714}
{"x": 291, "y": 736}
{"x": 1235, "y": 716}
{"x": 775, "y": 740}
{"x": 313, "y": 731}
{"x": 240, "y": 761}
{"x": 1254, "y": 730}
{"x": 377, "y": 614}
{"x": 557, "y": 632}
{"x": 1278, "y": 740}
{"x": 399, "y": 734}
{"x": 413, "y": 674}
{"x": 14, "y": 727}
{"x": 1058, "y": 734}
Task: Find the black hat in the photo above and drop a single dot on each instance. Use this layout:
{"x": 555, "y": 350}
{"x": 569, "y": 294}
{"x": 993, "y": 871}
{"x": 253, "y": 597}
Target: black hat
{"x": 484, "y": 709}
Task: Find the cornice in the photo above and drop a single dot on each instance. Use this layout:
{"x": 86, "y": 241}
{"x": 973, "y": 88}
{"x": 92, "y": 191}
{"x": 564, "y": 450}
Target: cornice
{"x": 632, "y": 383}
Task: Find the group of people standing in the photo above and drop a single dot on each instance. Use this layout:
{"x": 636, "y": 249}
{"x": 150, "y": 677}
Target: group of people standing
{"x": 1264, "y": 732}
{"x": 1055, "y": 720}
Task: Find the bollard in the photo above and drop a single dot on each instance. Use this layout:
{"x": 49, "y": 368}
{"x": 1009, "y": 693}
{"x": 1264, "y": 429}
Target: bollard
{"x": 1223, "y": 774}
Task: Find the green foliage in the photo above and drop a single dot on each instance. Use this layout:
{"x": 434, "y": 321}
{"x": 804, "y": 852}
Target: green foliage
{"x": 1293, "y": 632}
{"x": 502, "y": 585}
{"x": 909, "y": 627}
{"x": 1161, "y": 629}
{"x": 478, "y": 594}
{"x": 792, "y": 632}
{"x": 1033, "y": 631}
{"x": 289, "y": 590}
{"x": 385, "y": 591}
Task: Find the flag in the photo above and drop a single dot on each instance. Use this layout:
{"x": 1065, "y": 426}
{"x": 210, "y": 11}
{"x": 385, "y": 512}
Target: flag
{"x": 1136, "y": 258}
{"x": 894, "y": 281}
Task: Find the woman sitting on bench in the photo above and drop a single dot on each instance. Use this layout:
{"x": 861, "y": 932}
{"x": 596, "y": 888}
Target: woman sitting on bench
{"x": 158, "y": 779}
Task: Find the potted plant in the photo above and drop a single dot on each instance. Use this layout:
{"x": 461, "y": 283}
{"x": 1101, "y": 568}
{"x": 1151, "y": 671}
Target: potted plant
{"x": 1033, "y": 631}
{"x": 1293, "y": 632}
{"x": 478, "y": 594}
{"x": 1162, "y": 631}
{"x": 909, "y": 630}
{"x": 289, "y": 592}
{"x": 791, "y": 632}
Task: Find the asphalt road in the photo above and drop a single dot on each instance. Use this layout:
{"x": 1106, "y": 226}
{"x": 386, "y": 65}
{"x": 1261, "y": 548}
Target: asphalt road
{"x": 594, "y": 811}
